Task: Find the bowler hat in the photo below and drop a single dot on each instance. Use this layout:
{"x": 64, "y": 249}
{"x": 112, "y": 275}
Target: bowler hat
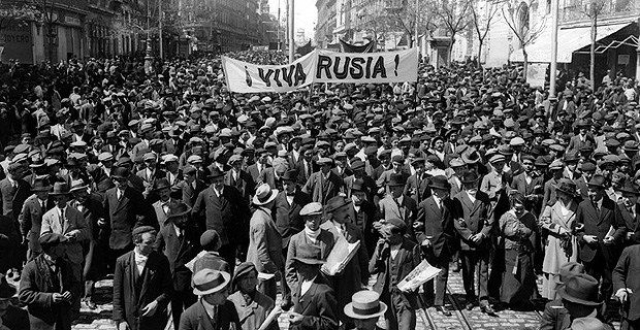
{"x": 597, "y": 181}
{"x": 120, "y": 172}
{"x": 161, "y": 184}
{"x": 215, "y": 173}
{"x": 439, "y": 182}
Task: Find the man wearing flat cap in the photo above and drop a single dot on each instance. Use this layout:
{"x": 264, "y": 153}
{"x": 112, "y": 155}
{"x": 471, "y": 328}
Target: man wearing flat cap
{"x": 142, "y": 284}
{"x": 239, "y": 178}
{"x": 324, "y": 184}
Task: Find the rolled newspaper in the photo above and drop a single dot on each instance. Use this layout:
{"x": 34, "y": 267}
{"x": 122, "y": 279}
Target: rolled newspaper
{"x": 273, "y": 316}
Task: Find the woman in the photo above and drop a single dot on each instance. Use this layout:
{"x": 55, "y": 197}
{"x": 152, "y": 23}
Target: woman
{"x": 561, "y": 247}
{"x": 516, "y": 241}
{"x": 252, "y": 306}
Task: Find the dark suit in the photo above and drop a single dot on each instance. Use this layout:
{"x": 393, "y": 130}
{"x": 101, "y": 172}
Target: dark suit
{"x": 323, "y": 189}
{"x": 287, "y": 215}
{"x": 196, "y": 318}
{"x": 30, "y": 223}
{"x": 301, "y": 246}
{"x": 367, "y": 181}
{"x": 12, "y": 198}
{"x": 318, "y": 306}
{"x": 437, "y": 224}
{"x": 133, "y": 291}
{"x": 228, "y": 214}
{"x": 418, "y": 188}
{"x": 179, "y": 250}
{"x": 390, "y": 271}
{"x": 244, "y": 183}
{"x": 268, "y": 176}
{"x": 407, "y": 210}
{"x": 189, "y": 192}
{"x": 11, "y": 255}
{"x": 599, "y": 259}
{"x": 305, "y": 169}
{"x": 632, "y": 224}
{"x": 364, "y": 218}
{"x": 254, "y": 172}
{"x": 37, "y": 285}
{"x": 625, "y": 275}
{"x": 125, "y": 214}
{"x": 473, "y": 218}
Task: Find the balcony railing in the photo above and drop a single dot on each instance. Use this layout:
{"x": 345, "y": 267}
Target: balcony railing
{"x": 577, "y": 14}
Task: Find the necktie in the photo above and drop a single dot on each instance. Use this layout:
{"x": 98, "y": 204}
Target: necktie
{"x": 399, "y": 208}
{"x": 62, "y": 218}
{"x": 165, "y": 207}
{"x": 308, "y": 169}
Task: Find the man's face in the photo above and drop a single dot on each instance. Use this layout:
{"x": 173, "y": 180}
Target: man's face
{"x": 498, "y": 166}
{"x": 147, "y": 244}
{"x": 342, "y": 215}
{"x": 218, "y": 298}
{"x": 440, "y": 193}
{"x": 264, "y": 158}
{"x": 172, "y": 166}
{"x": 528, "y": 166}
{"x": 313, "y": 222}
{"x": 595, "y": 193}
{"x": 289, "y": 186}
{"x": 81, "y": 195}
{"x": 180, "y": 222}
{"x": 396, "y": 191}
{"x": 218, "y": 182}
{"x": 358, "y": 197}
{"x": 60, "y": 200}
{"x": 248, "y": 282}
{"x": 165, "y": 194}
{"x": 120, "y": 182}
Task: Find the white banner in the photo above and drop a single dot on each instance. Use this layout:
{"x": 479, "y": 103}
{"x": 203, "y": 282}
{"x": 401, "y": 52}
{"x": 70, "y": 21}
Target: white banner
{"x": 243, "y": 77}
{"x": 374, "y": 68}
{"x": 537, "y": 74}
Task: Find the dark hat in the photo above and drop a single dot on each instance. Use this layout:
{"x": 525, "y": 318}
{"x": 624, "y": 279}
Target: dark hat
{"x": 336, "y": 203}
{"x": 587, "y": 167}
{"x": 580, "y": 289}
{"x": 7, "y": 291}
{"x": 215, "y": 173}
{"x": 396, "y": 179}
{"x": 567, "y": 186}
{"x": 161, "y": 184}
{"x": 597, "y": 181}
{"x": 358, "y": 185}
{"x": 290, "y": 175}
{"x": 120, "y": 172}
{"x": 469, "y": 177}
{"x": 60, "y": 188}
{"x": 178, "y": 209}
{"x": 142, "y": 229}
{"x": 570, "y": 269}
{"x": 210, "y": 239}
{"x": 41, "y": 184}
{"x": 50, "y": 239}
{"x": 398, "y": 223}
{"x": 358, "y": 164}
{"x": 629, "y": 188}
{"x": 242, "y": 270}
{"x": 439, "y": 182}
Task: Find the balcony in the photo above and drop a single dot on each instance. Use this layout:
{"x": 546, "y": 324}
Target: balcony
{"x": 614, "y": 11}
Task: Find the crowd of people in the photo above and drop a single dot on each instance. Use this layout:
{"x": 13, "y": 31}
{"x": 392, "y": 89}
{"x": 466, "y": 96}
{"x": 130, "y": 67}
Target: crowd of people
{"x": 202, "y": 205}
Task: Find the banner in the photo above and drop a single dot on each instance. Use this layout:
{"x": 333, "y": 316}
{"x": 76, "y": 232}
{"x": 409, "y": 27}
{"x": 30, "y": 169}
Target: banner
{"x": 243, "y": 77}
{"x": 349, "y": 48}
{"x": 374, "y": 68}
{"x": 537, "y": 74}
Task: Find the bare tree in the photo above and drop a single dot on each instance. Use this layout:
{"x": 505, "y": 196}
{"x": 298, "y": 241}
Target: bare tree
{"x": 482, "y": 18}
{"x": 15, "y": 12}
{"x": 517, "y": 18}
{"x": 593, "y": 9}
{"x": 454, "y": 15}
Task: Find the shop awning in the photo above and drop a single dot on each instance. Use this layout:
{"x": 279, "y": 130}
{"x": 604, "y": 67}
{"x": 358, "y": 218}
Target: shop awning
{"x": 569, "y": 40}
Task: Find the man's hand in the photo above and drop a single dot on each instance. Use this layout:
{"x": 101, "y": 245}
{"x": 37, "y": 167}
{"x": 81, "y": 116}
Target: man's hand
{"x": 57, "y": 298}
{"x": 629, "y": 235}
{"x": 477, "y": 238}
{"x": 295, "y": 318}
{"x": 123, "y": 326}
{"x": 150, "y": 309}
{"x": 590, "y": 239}
{"x": 608, "y": 240}
{"x": 426, "y": 243}
{"x": 622, "y": 295}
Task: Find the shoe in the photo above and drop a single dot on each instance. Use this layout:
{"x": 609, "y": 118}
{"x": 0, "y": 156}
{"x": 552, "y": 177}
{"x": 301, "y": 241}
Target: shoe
{"x": 286, "y": 304}
{"x": 444, "y": 310}
{"x": 486, "y": 308}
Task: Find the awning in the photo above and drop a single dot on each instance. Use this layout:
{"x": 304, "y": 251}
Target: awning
{"x": 569, "y": 40}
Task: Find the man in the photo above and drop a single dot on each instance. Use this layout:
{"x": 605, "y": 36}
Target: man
{"x": 324, "y": 184}
{"x": 209, "y": 257}
{"x": 627, "y": 287}
{"x": 178, "y": 241}
{"x": 151, "y": 173}
{"x": 10, "y": 239}
{"x": 125, "y": 209}
{"x": 396, "y": 205}
{"x": 436, "y": 234}
{"x": 354, "y": 275}
{"x": 265, "y": 242}
{"x": 12, "y": 316}
{"x": 395, "y": 256}
{"x": 141, "y": 285}
{"x": 358, "y": 168}
{"x": 497, "y": 180}
{"x": 172, "y": 169}
{"x": 14, "y": 191}
{"x": 580, "y": 297}
{"x": 162, "y": 188}
{"x": 365, "y": 309}
{"x": 529, "y": 183}
{"x": 212, "y": 310}
{"x": 364, "y": 214}
{"x": 316, "y": 307}
{"x": 417, "y": 184}
{"x": 191, "y": 186}
{"x": 397, "y": 168}
{"x": 630, "y": 213}
{"x": 252, "y": 306}
{"x": 47, "y": 285}
{"x": 238, "y": 178}
{"x": 474, "y": 225}
{"x": 70, "y": 223}
{"x": 261, "y": 164}
{"x": 31, "y": 216}
{"x": 596, "y": 216}
{"x": 223, "y": 209}
{"x": 582, "y": 139}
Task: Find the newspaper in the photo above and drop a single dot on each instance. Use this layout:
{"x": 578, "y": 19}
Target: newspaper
{"x": 423, "y": 273}
{"x": 190, "y": 264}
{"x": 340, "y": 255}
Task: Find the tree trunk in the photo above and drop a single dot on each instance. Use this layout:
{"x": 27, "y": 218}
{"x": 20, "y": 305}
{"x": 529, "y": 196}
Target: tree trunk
{"x": 450, "y": 50}
{"x": 592, "y": 51}
{"x": 525, "y": 57}
{"x": 480, "y": 43}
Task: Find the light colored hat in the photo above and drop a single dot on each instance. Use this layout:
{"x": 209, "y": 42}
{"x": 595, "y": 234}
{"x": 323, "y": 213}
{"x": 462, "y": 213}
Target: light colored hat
{"x": 169, "y": 158}
{"x": 314, "y": 208}
{"x": 264, "y": 195}
{"x": 365, "y": 305}
{"x": 208, "y": 281}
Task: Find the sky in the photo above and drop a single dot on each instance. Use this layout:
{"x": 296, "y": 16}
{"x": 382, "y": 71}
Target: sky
{"x": 306, "y": 14}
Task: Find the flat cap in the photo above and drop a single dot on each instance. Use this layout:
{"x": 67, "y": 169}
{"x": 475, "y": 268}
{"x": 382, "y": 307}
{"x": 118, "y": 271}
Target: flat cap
{"x": 311, "y": 209}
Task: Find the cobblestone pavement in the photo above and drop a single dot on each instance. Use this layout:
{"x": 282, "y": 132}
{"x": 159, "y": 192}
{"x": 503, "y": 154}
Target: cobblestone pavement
{"x": 462, "y": 319}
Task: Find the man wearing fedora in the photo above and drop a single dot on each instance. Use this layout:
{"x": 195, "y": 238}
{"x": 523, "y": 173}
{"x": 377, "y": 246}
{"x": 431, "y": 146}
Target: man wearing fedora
{"x": 142, "y": 285}
{"x": 12, "y": 316}
{"x": 179, "y": 240}
{"x": 626, "y": 286}
{"x": 435, "y": 231}
{"x": 397, "y": 205}
{"x": 630, "y": 212}
{"x": 162, "y": 189}
{"x": 316, "y": 306}
{"x": 31, "y": 216}
{"x": 324, "y": 184}
{"x": 474, "y": 224}
{"x": 365, "y": 309}
{"x": 191, "y": 186}
{"x": 596, "y": 216}
{"x": 212, "y": 311}
{"x": 417, "y": 186}
{"x": 579, "y": 296}
{"x": 239, "y": 178}
{"x": 223, "y": 209}
{"x": 364, "y": 214}
{"x": 265, "y": 242}
{"x": 394, "y": 257}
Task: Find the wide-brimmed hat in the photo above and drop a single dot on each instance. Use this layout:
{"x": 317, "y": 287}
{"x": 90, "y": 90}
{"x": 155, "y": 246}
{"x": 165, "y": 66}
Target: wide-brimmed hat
{"x": 161, "y": 184}
{"x": 208, "y": 281}
{"x": 396, "y": 179}
{"x": 567, "y": 186}
{"x": 60, "y": 188}
{"x": 597, "y": 181}
{"x": 365, "y": 305}
{"x": 264, "y": 195}
{"x": 469, "y": 177}
{"x": 335, "y": 203}
{"x": 78, "y": 185}
{"x": 570, "y": 269}
{"x": 580, "y": 289}
{"x": 439, "y": 182}
{"x": 119, "y": 173}
{"x": 178, "y": 209}
{"x": 215, "y": 173}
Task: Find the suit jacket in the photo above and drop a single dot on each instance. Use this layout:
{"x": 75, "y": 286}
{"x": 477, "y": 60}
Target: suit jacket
{"x": 318, "y": 306}
{"x": 287, "y": 216}
{"x": 245, "y": 184}
{"x": 253, "y": 171}
{"x": 322, "y": 189}
{"x": 73, "y": 222}
{"x": 408, "y": 211}
{"x": 150, "y": 179}
{"x": 418, "y": 190}
{"x": 632, "y": 224}
{"x": 598, "y": 224}
{"x": 161, "y": 216}
{"x": 520, "y": 184}
{"x": 31, "y": 222}
{"x": 12, "y": 199}
{"x": 125, "y": 214}
{"x": 251, "y": 316}
{"x": 368, "y": 182}
{"x": 133, "y": 291}
{"x": 189, "y": 193}
{"x": 555, "y": 316}
{"x": 301, "y": 246}
{"x": 265, "y": 243}
{"x": 37, "y": 285}
{"x": 303, "y": 176}
{"x": 228, "y": 214}
{"x": 9, "y": 245}
{"x": 438, "y": 224}
{"x": 196, "y": 318}
{"x": 179, "y": 251}
{"x": 473, "y": 217}
{"x": 625, "y": 275}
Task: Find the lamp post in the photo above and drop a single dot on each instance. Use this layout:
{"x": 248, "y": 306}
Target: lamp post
{"x": 554, "y": 48}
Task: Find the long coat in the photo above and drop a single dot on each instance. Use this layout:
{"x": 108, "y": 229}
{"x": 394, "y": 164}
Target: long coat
{"x": 555, "y": 223}
{"x": 473, "y": 218}
{"x": 12, "y": 198}
{"x": 265, "y": 243}
{"x": 251, "y": 316}
{"x": 318, "y": 306}
{"x": 288, "y": 219}
{"x": 31, "y": 222}
{"x": 179, "y": 251}
{"x": 598, "y": 224}
{"x": 625, "y": 275}
{"x": 38, "y": 283}
{"x": 244, "y": 183}
{"x": 417, "y": 189}
{"x": 189, "y": 192}
{"x": 196, "y": 318}
{"x": 51, "y": 223}
{"x": 133, "y": 291}
{"x": 9, "y": 244}
{"x": 301, "y": 246}
{"x": 125, "y": 214}
{"x": 322, "y": 189}
{"x": 632, "y": 224}
{"x": 438, "y": 224}
{"x": 228, "y": 214}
